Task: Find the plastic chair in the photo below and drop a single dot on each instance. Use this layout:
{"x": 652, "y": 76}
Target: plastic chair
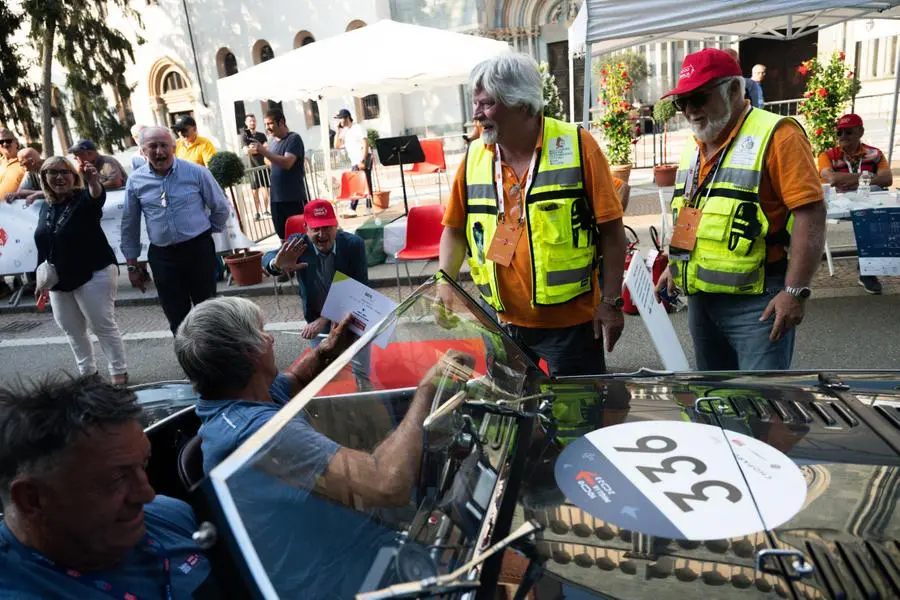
{"x": 435, "y": 162}
{"x": 423, "y": 238}
{"x": 353, "y": 186}
{"x": 294, "y": 224}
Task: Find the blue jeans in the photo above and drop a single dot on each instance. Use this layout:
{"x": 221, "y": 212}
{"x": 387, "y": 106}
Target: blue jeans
{"x": 728, "y": 335}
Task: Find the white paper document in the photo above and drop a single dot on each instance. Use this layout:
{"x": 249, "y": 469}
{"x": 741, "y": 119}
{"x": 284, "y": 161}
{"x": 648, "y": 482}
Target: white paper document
{"x": 368, "y": 307}
{"x": 640, "y": 284}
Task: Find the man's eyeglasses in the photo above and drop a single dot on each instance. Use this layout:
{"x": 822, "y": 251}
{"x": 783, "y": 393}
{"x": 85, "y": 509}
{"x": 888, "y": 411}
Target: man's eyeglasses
{"x": 697, "y": 99}
{"x": 58, "y": 173}
{"x": 845, "y": 131}
{"x": 7, "y": 142}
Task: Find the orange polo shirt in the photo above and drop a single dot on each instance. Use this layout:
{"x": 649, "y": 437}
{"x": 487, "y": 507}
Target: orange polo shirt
{"x": 515, "y": 280}
{"x": 790, "y": 178}
{"x": 11, "y": 174}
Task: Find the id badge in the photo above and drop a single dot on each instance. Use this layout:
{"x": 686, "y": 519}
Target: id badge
{"x": 684, "y": 236}
{"x": 506, "y": 238}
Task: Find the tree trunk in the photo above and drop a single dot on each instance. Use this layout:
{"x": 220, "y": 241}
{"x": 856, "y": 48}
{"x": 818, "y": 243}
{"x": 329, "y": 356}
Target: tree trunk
{"x": 46, "y": 86}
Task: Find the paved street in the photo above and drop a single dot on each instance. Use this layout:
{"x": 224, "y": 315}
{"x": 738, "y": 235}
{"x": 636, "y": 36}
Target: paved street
{"x": 849, "y": 330}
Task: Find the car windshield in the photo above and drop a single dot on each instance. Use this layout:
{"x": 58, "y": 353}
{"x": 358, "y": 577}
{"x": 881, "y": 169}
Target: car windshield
{"x": 299, "y": 505}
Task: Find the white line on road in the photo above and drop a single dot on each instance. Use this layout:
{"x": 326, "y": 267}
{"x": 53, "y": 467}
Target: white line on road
{"x": 282, "y": 326}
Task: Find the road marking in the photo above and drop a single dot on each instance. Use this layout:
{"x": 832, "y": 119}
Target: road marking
{"x": 139, "y": 336}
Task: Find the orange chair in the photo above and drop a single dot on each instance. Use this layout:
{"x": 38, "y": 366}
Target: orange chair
{"x": 423, "y": 238}
{"x": 353, "y": 186}
{"x": 434, "y": 162}
{"x": 294, "y": 224}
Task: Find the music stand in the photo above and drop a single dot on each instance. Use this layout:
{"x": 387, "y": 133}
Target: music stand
{"x": 400, "y": 150}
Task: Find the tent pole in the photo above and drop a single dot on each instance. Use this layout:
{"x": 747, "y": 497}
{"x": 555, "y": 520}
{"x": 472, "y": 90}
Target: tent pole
{"x": 324, "y": 121}
{"x": 586, "y": 123}
{"x": 571, "y": 87}
{"x": 894, "y": 110}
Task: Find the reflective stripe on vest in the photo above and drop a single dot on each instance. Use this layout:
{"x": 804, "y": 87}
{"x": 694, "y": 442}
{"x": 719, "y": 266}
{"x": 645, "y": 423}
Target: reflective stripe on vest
{"x": 559, "y": 221}
{"x": 730, "y": 252}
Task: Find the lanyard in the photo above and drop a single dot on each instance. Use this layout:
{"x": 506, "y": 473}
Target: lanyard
{"x": 850, "y": 164}
{"x": 694, "y": 172}
{"x": 149, "y": 545}
{"x": 498, "y": 181}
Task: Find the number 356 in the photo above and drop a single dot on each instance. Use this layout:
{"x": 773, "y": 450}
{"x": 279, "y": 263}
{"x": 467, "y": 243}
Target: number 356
{"x": 667, "y": 466}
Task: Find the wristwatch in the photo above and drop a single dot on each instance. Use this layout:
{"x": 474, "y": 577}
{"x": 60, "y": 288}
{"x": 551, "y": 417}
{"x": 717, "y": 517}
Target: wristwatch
{"x": 132, "y": 268}
{"x": 801, "y": 293}
{"x": 617, "y": 302}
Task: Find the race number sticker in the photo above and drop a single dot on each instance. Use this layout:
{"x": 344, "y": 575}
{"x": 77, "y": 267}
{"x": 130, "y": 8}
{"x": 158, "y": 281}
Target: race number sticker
{"x": 680, "y": 480}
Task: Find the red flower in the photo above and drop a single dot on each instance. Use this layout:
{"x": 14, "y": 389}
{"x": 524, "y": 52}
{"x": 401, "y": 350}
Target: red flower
{"x": 807, "y": 94}
{"x": 803, "y": 70}
{"x": 607, "y": 125}
{"x": 819, "y": 131}
{"x": 603, "y": 71}
{"x": 822, "y": 92}
{"x": 850, "y": 75}
{"x": 841, "y": 55}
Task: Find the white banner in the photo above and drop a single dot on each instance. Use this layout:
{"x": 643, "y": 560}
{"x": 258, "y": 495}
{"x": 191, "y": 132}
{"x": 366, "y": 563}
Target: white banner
{"x": 640, "y": 284}
{"x": 18, "y": 253}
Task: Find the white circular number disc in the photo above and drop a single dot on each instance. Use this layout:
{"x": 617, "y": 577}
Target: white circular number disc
{"x": 680, "y": 480}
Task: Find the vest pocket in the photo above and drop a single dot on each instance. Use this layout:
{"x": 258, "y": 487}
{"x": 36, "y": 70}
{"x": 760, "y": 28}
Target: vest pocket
{"x": 554, "y": 221}
{"x": 716, "y": 219}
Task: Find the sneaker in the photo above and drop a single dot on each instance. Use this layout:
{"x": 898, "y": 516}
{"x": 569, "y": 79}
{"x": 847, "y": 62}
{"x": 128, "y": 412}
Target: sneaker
{"x": 258, "y": 217}
{"x": 870, "y": 283}
{"x": 367, "y": 212}
{"x": 349, "y": 213}
{"x": 283, "y": 278}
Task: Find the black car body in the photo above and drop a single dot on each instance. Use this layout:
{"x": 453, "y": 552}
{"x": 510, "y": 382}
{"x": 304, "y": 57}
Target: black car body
{"x": 488, "y": 467}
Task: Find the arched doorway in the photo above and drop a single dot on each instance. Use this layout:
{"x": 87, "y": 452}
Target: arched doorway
{"x": 262, "y": 52}
{"x": 310, "y": 107}
{"x": 367, "y": 107}
{"x": 171, "y": 92}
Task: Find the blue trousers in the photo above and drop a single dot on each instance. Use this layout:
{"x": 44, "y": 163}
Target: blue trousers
{"x": 728, "y": 335}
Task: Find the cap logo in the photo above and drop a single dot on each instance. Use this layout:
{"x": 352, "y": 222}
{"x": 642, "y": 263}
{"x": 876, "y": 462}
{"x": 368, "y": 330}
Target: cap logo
{"x": 320, "y": 212}
{"x": 686, "y": 72}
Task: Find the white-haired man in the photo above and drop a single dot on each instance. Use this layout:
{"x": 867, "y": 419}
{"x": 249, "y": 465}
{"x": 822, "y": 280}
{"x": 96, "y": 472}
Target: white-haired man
{"x": 533, "y": 206}
{"x": 182, "y": 207}
{"x": 745, "y": 189}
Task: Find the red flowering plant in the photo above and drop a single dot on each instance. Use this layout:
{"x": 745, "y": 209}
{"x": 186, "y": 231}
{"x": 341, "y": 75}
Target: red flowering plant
{"x": 830, "y": 86}
{"x": 617, "y": 123}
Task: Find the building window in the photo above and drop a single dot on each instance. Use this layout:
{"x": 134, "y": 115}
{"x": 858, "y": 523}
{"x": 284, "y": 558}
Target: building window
{"x": 173, "y": 81}
{"x": 266, "y": 53}
{"x": 893, "y": 56}
{"x": 310, "y": 107}
{"x": 370, "y": 107}
{"x": 874, "y": 61}
{"x": 240, "y": 115}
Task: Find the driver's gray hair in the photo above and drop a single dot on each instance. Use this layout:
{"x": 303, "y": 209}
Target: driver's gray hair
{"x": 40, "y": 420}
{"x": 152, "y": 130}
{"x": 511, "y": 79}
{"x": 724, "y": 88}
{"x": 217, "y": 345}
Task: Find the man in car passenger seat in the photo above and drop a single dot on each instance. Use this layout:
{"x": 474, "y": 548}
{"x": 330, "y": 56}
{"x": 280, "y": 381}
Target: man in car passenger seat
{"x": 300, "y": 498}
{"x": 82, "y": 520}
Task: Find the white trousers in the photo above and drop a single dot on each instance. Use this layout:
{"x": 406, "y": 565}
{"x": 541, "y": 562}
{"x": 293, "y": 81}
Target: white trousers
{"x": 92, "y": 305}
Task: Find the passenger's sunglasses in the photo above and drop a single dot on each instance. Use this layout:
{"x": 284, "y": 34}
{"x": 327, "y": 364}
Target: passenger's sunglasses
{"x": 697, "y": 99}
{"x": 7, "y": 142}
{"x": 58, "y": 173}
{"x": 845, "y": 131}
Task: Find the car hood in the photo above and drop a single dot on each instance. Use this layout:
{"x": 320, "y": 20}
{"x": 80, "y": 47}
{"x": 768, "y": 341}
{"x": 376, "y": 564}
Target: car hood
{"x": 842, "y": 429}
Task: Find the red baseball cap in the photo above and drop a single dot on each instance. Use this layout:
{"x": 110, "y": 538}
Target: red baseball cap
{"x": 320, "y": 213}
{"x": 702, "y": 67}
{"x": 849, "y": 120}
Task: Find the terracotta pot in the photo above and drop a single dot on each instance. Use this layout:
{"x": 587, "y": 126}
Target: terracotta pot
{"x": 621, "y": 171}
{"x": 664, "y": 175}
{"x": 381, "y": 198}
{"x": 246, "y": 268}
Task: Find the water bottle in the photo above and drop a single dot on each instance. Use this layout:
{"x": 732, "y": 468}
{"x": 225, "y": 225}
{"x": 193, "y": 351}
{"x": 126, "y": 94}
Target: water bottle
{"x": 865, "y": 181}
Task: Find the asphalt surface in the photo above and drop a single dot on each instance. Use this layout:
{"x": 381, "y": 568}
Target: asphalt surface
{"x": 853, "y": 331}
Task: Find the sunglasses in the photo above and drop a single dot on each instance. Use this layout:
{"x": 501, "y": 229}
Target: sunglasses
{"x": 7, "y": 142}
{"x": 697, "y": 99}
{"x": 58, "y": 173}
{"x": 843, "y": 132}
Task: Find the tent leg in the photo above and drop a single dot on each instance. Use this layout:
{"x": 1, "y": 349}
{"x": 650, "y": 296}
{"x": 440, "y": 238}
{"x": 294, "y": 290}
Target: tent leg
{"x": 326, "y": 150}
{"x": 894, "y": 111}
{"x": 571, "y": 88}
{"x": 586, "y": 123}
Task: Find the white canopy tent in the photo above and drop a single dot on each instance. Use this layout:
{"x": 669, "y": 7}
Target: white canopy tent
{"x": 616, "y": 24}
{"x": 400, "y": 58}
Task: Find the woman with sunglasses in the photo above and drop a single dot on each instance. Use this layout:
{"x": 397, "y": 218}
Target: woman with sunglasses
{"x": 69, "y": 237}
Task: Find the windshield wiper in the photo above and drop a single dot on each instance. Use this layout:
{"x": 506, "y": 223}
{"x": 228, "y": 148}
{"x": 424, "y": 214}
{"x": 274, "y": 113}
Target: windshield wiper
{"x": 452, "y": 581}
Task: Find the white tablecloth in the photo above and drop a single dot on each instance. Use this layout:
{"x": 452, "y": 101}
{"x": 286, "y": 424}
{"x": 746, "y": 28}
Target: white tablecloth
{"x": 394, "y": 238}
{"x": 842, "y": 204}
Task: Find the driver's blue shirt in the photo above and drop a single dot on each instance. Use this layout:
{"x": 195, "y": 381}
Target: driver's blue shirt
{"x": 310, "y": 547}
{"x": 169, "y": 521}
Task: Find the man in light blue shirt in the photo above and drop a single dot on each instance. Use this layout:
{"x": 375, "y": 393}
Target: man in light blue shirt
{"x": 183, "y": 206}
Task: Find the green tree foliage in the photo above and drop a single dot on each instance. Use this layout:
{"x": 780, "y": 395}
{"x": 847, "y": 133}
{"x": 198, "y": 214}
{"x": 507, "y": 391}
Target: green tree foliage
{"x": 830, "y": 86}
{"x": 18, "y": 97}
{"x": 94, "y": 55}
{"x": 553, "y": 106}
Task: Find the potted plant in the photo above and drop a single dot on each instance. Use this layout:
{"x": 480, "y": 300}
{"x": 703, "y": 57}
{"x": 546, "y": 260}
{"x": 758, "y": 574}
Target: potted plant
{"x": 617, "y": 123}
{"x": 829, "y": 87}
{"x": 245, "y": 265}
{"x": 553, "y": 106}
{"x": 380, "y": 198}
{"x": 664, "y": 173}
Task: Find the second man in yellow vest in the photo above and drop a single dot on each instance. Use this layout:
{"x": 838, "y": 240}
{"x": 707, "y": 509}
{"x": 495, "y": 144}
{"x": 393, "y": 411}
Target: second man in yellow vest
{"x": 746, "y": 188}
{"x": 532, "y": 207}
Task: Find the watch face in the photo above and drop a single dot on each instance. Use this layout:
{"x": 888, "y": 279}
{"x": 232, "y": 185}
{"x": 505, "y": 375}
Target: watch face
{"x": 805, "y": 292}
{"x": 619, "y": 302}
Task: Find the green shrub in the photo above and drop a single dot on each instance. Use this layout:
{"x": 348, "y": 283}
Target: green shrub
{"x": 227, "y": 168}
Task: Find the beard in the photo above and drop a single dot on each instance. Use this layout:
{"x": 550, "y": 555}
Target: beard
{"x": 489, "y": 136}
{"x": 713, "y": 128}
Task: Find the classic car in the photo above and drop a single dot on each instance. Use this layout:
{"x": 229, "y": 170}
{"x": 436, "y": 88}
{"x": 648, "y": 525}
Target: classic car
{"x": 501, "y": 507}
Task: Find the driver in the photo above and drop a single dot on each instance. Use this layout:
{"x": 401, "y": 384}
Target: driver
{"x": 311, "y": 545}
{"x": 82, "y": 520}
